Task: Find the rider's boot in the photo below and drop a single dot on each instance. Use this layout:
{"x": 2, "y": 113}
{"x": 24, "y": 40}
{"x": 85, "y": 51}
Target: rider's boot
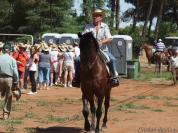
{"x": 114, "y": 80}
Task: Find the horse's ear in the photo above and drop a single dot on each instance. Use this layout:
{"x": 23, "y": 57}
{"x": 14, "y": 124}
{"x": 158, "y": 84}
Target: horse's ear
{"x": 79, "y": 34}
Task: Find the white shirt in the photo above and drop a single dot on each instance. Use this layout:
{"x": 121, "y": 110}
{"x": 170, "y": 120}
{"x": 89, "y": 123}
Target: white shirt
{"x": 103, "y": 33}
{"x": 69, "y": 57}
{"x": 54, "y": 56}
{"x": 77, "y": 51}
{"x": 33, "y": 67}
{"x": 174, "y": 62}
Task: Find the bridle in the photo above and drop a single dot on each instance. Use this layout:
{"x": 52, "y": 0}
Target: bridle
{"x": 89, "y": 64}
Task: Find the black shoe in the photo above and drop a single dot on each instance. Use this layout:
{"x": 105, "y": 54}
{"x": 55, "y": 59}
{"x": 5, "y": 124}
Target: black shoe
{"x": 76, "y": 84}
{"x": 114, "y": 81}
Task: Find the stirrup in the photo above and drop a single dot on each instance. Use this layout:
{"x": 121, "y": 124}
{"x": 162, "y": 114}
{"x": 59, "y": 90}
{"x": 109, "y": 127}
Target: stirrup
{"x": 114, "y": 81}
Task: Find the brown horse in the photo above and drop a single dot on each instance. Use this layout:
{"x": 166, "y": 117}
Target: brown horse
{"x": 94, "y": 82}
{"x": 148, "y": 48}
{"x": 160, "y": 59}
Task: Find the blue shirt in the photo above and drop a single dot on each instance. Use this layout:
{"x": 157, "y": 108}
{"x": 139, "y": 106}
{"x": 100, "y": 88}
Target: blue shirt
{"x": 44, "y": 60}
{"x": 8, "y": 66}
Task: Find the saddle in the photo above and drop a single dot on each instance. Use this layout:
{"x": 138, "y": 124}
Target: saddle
{"x": 105, "y": 58}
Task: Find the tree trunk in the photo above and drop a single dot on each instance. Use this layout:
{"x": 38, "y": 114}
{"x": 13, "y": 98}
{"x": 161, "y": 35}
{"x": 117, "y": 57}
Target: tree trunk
{"x": 113, "y": 10}
{"x": 117, "y": 14}
{"x": 149, "y": 29}
{"x": 147, "y": 19}
{"x": 159, "y": 19}
{"x": 135, "y": 17}
{"x": 175, "y": 12}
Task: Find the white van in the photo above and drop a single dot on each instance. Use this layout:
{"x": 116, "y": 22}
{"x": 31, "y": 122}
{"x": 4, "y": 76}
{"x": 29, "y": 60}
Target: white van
{"x": 171, "y": 41}
{"x": 51, "y": 37}
{"x": 69, "y": 38}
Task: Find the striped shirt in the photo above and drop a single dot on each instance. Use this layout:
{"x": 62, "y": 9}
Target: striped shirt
{"x": 160, "y": 47}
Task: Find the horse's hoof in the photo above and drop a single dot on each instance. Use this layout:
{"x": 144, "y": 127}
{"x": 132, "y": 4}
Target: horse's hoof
{"x": 92, "y": 131}
{"x": 97, "y": 131}
{"x": 104, "y": 128}
{"x": 87, "y": 126}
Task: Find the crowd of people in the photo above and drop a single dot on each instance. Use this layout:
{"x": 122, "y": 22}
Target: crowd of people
{"x": 45, "y": 65}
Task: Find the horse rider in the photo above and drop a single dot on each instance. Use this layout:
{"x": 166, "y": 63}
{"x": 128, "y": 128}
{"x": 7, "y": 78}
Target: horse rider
{"x": 102, "y": 33}
{"x": 160, "y": 46}
{"x": 8, "y": 79}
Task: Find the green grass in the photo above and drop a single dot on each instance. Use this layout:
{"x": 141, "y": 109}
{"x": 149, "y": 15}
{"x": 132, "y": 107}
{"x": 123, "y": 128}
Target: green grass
{"x": 156, "y": 97}
{"x": 10, "y": 124}
{"x": 169, "y": 104}
{"x": 157, "y": 110}
{"x": 30, "y": 115}
{"x": 42, "y": 103}
{"x": 56, "y": 119}
{"x": 128, "y": 106}
{"x": 148, "y": 76}
{"x": 131, "y": 107}
{"x": 30, "y": 130}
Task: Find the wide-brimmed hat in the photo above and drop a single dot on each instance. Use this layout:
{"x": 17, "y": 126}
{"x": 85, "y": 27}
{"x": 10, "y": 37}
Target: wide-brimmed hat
{"x": 22, "y": 45}
{"x": 98, "y": 12}
{"x": 54, "y": 47}
{"x": 62, "y": 48}
{"x": 1, "y": 44}
{"x": 37, "y": 46}
{"x": 76, "y": 43}
{"x": 45, "y": 48}
{"x": 70, "y": 48}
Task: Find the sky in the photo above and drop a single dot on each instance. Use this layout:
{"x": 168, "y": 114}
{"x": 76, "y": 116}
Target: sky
{"x": 124, "y": 6}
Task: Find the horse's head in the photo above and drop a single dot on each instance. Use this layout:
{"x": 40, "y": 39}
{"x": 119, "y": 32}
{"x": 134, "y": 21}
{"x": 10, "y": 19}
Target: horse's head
{"x": 88, "y": 43}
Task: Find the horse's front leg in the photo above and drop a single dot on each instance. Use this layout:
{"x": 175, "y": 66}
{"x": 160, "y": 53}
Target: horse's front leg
{"x": 160, "y": 69}
{"x": 98, "y": 114}
{"x": 93, "y": 109}
{"x": 106, "y": 104}
{"x": 85, "y": 113}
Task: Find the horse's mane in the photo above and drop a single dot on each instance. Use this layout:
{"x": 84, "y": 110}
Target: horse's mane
{"x": 86, "y": 39}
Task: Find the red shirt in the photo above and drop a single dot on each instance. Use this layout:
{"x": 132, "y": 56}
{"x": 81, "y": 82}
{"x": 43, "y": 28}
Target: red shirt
{"x": 21, "y": 59}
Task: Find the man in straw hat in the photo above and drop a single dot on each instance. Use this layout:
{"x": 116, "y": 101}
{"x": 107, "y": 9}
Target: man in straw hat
{"x": 21, "y": 56}
{"x": 102, "y": 33}
{"x": 8, "y": 79}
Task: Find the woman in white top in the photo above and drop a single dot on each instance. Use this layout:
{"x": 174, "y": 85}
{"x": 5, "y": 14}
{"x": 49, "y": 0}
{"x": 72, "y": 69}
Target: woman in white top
{"x": 54, "y": 64}
{"x": 68, "y": 65}
{"x": 34, "y": 58}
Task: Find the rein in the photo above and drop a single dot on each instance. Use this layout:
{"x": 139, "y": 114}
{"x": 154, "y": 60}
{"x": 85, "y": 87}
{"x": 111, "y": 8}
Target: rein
{"x": 92, "y": 63}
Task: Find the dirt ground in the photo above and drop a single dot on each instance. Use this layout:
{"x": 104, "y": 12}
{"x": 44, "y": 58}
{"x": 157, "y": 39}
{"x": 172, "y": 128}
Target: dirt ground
{"x": 136, "y": 107}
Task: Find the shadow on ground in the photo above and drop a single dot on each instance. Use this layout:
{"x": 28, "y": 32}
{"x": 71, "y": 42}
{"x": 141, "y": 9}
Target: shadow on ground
{"x": 58, "y": 130}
